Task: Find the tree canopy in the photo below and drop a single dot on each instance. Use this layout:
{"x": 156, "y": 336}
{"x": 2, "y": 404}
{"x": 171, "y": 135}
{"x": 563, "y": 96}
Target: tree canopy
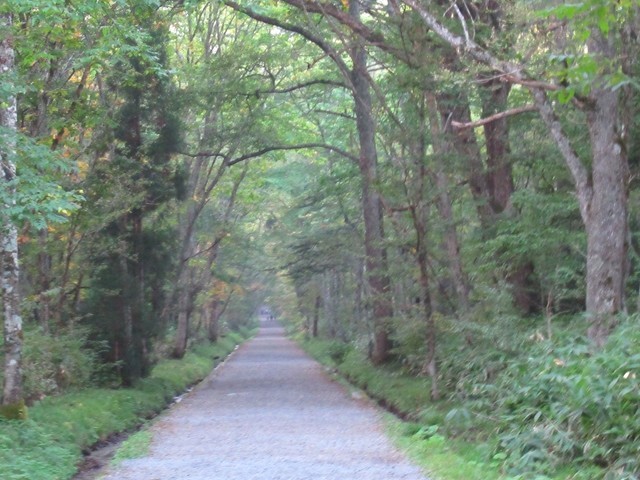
{"x": 443, "y": 186}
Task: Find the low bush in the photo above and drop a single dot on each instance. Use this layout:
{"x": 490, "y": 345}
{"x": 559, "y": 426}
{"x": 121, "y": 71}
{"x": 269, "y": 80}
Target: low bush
{"x": 540, "y": 408}
{"x": 565, "y": 403}
{"x": 56, "y": 364}
{"x": 49, "y": 444}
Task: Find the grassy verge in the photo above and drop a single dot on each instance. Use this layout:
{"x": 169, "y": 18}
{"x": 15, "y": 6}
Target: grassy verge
{"x": 429, "y": 432}
{"x": 49, "y": 444}
{"x": 136, "y": 446}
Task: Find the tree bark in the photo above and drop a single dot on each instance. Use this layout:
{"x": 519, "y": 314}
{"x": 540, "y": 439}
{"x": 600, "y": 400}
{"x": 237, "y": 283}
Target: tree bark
{"x": 316, "y": 316}
{"x": 500, "y": 184}
{"x": 607, "y": 223}
{"x": 12, "y": 394}
{"x": 601, "y": 192}
{"x": 371, "y": 203}
{"x": 441, "y": 147}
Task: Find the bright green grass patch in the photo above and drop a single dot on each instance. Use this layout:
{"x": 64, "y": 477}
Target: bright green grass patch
{"x": 442, "y": 458}
{"x": 48, "y": 445}
{"x": 136, "y": 446}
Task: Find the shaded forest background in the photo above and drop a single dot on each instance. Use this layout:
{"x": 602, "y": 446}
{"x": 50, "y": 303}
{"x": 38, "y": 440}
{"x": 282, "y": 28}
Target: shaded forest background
{"x": 443, "y": 189}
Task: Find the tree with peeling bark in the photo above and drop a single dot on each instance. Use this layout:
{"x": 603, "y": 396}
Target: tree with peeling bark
{"x": 12, "y": 396}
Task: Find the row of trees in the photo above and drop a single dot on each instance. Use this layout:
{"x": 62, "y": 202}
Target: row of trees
{"x": 123, "y": 120}
{"x": 423, "y": 160}
{"x": 419, "y": 76}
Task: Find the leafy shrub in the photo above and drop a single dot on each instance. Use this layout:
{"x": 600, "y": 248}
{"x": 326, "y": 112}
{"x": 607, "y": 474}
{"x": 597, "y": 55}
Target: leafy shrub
{"x": 338, "y": 350}
{"x": 54, "y": 364}
{"x": 567, "y": 403}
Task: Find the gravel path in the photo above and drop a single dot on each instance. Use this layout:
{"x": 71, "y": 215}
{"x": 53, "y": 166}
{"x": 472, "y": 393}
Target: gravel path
{"x": 269, "y": 413}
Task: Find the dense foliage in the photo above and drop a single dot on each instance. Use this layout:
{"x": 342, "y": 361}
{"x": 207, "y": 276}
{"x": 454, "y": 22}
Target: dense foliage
{"x": 446, "y": 189}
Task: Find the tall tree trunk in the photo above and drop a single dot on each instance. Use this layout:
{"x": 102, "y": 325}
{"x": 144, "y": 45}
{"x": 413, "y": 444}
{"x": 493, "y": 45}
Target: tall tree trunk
{"x": 128, "y": 353}
{"x": 466, "y": 145}
{"x": 316, "y": 316}
{"x": 500, "y": 184}
{"x": 419, "y": 216}
{"x": 607, "y": 222}
{"x": 602, "y": 196}
{"x": 12, "y": 394}
{"x": 371, "y": 203}
{"x": 499, "y": 177}
{"x": 442, "y": 147}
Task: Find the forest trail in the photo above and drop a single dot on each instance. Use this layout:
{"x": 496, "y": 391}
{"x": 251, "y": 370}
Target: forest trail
{"x": 269, "y": 413}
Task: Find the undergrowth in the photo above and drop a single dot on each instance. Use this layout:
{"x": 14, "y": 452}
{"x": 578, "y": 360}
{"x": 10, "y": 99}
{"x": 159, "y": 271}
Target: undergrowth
{"x": 49, "y": 444}
{"x": 537, "y": 409}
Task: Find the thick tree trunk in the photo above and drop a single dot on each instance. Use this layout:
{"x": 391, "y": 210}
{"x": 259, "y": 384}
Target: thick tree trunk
{"x": 12, "y": 394}
{"x": 182, "y": 326}
{"x": 603, "y": 201}
{"x": 499, "y": 177}
{"x": 128, "y": 353}
{"x": 371, "y": 204}
{"x": 466, "y": 145}
{"x": 607, "y": 222}
{"x": 499, "y": 181}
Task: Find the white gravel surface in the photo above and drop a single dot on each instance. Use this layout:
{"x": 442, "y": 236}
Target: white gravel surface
{"x": 269, "y": 413}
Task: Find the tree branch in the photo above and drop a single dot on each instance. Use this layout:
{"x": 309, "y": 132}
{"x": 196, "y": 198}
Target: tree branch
{"x": 331, "y": 83}
{"x": 493, "y": 118}
{"x": 324, "y": 46}
{"x": 302, "y": 146}
{"x": 574, "y": 163}
{"x": 203, "y": 154}
{"x": 514, "y": 73}
{"x": 373, "y": 38}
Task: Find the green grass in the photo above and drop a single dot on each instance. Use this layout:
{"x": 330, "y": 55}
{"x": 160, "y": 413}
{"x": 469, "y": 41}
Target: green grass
{"x": 441, "y": 457}
{"x": 431, "y": 431}
{"x": 48, "y": 445}
{"x": 136, "y": 446}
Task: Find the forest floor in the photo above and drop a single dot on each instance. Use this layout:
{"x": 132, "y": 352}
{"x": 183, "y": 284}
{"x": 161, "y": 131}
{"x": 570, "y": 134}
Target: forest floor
{"x": 270, "y": 412}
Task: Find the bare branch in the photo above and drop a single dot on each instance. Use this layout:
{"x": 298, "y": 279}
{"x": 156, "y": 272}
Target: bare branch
{"x": 203, "y": 154}
{"x": 573, "y": 161}
{"x": 493, "y": 118}
{"x": 303, "y": 146}
{"x": 331, "y": 83}
{"x": 337, "y": 114}
{"x": 462, "y": 21}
